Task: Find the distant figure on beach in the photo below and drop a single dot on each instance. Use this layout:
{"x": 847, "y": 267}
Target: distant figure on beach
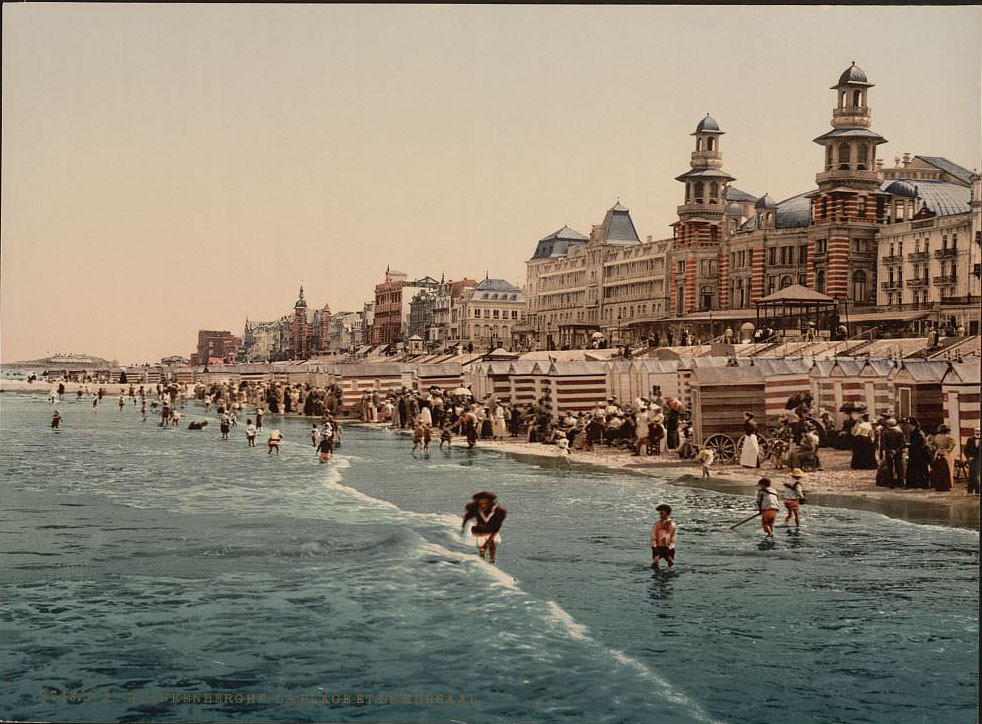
{"x": 259, "y": 418}
{"x": 223, "y": 422}
{"x": 971, "y": 451}
{"x": 121, "y": 403}
{"x": 446, "y": 437}
{"x": 663, "y": 537}
{"x": 273, "y": 442}
{"x": 143, "y": 410}
{"x": 56, "y": 420}
{"x": 562, "y": 453}
{"x": 250, "y": 433}
{"x": 705, "y": 458}
{"x": 314, "y": 434}
{"x": 488, "y": 516}
{"x": 942, "y": 459}
{"x": 863, "y": 446}
{"x": 175, "y": 418}
{"x": 95, "y": 404}
{"x": 767, "y": 505}
{"x": 793, "y": 496}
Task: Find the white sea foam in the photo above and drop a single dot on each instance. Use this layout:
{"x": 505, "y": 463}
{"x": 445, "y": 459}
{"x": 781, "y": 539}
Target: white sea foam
{"x": 579, "y": 632}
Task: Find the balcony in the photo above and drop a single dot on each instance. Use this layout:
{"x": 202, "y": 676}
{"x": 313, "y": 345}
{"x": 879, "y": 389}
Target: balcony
{"x": 847, "y": 176}
{"x": 946, "y": 253}
{"x": 701, "y": 209}
{"x": 892, "y": 286}
{"x": 893, "y": 259}
{"x": 917, "y": 283}
{"x": 944, "y": 281}
{"x": 918, "y": 256}
{"x": 852, "y": 117}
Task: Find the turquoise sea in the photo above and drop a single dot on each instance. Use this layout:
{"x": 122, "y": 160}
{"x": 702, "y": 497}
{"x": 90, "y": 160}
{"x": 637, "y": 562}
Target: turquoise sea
{"x": 161, "y": 574}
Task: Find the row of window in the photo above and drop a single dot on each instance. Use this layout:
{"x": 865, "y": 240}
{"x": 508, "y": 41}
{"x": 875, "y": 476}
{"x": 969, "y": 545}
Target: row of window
{"x": 502, "y": 314}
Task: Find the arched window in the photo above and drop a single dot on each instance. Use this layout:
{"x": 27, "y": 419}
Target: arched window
{"x": 825, "y": 207}
{"x": 820, "y": 281}
{"x": 706, "y": 298}
{"x": 698, "y": 144}
{"x": 844, "y": 157}
{"x": 828, "y": 158}
{"x": 786, "y": 281}
{"x": 862, "y": 157}
{"x": 859, "y": 286}
{"x": 857, "y": 98}
{"x": 688, "y": 192}
{"x": 698, "y": 192}
{"x": 710, "y": 143}
{"x": 713, "y": 192}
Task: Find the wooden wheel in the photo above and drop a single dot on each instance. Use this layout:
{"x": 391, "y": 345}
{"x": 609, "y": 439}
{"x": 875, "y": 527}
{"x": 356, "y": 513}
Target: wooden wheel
{"x": 722, "y": 446}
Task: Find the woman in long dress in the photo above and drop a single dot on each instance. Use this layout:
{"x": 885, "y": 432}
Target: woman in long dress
{"x": 750, "y": 454}
{"x": 941, "y": 461}
{"x": 918, "y": 459}
{"x": 498, "y": 426}
{"x": 863, "y": 447}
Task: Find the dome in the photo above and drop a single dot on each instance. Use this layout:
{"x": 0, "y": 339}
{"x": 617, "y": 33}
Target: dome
{"x": 853, "y": 74}
{"x": 765, "y": 202}
{"x": 708, "y": 124}
{"x": 901, "y": 188}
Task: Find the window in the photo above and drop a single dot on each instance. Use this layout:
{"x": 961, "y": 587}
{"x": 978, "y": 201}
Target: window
{"x": 477, "y": 312}
{"x": 844, "y": 157}
{"x": 698, "y": 192}
{"x": 495, "y": 313}
{"x": 828, "y": 158}
{"x": 772, "y": 256}
{"x": 859, "y": 286}
{"x": 857, "y": 97}
{"x": 820, "y": 281}
{"x": 713, "y": 191}
{"x": 514, "y": 314}
{"x": 785, "y": 281}
{"x": 710, "y": 142}
{"x": 803, "y": 254}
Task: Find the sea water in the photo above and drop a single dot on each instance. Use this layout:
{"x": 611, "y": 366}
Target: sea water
{"x": 162, "y": 574}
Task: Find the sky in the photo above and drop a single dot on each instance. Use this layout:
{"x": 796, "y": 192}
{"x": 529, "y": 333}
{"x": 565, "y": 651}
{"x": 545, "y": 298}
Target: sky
{"x": 169, "y": 168}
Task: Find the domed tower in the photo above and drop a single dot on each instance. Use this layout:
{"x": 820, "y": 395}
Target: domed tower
{"x": 300, "y": 332}
{"x": 699, "y": 231}
{"x": 848, "y": 203}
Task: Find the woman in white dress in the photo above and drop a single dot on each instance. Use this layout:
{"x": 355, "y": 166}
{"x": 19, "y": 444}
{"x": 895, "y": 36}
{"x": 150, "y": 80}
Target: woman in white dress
{"x": 498, "y": 426}
{"x": 750, "y": 454}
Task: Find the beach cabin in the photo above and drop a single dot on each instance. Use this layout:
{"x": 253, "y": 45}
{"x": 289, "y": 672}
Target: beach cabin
{"x": 622, "y": 380}
{"x": 656, "y": 377}
{"x": 960, "y": 399}
{"x": 917, "y": 391}
{"x": 782, "y": 379}
{"x": 720, "y": 396}
{"x": 574, "y": 386}
{"x": 525, "y": 381}
{"x": 357, "y": 379}
{"x": 854, "y": 380}
{"x": 445, "y": 375}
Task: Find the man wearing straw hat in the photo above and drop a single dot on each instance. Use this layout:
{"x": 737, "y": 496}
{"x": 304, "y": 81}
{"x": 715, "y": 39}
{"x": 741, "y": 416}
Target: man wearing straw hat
{"x": 488, "y": 517}
{"x": 793, "y": 496}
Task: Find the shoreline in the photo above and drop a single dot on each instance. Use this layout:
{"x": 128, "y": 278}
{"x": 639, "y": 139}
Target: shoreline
{"x": 955, "y": 509}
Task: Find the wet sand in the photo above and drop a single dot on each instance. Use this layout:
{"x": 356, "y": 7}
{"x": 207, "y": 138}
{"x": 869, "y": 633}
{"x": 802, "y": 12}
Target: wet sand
{"x": 835, "y": 486}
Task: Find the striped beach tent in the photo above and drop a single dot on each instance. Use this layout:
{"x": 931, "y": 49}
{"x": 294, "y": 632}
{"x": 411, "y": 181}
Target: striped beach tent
{"x": 855, "y": 380}
{"x": 574, "y": 386}
{"x": 960, "y": 398}
{"x": 917, "y": 391}
{"x": 525, "y": 380}
{"x": 720, "y": 396}
{"x": 782, "y": 379}
{"x": 357, "y": 379}
{"x": 445, "y": 375}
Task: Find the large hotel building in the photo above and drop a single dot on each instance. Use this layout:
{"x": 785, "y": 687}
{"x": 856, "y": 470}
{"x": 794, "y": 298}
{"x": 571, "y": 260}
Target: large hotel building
{"x": 898, "y": 248}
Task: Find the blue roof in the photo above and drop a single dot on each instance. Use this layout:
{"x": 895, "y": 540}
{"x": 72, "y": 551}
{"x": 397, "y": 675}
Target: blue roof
{"x": 959, "y": 172}
{"x": 558, "y": 243}
{"x": 735, "y": 194}
{"x": 708, "y": 125}
{"x": 618, "y": 228}
{"x": 793, "y": 212}
{"x": 943, "y": 198}
{"x": 496, "y": 285}
{"x": 853, "y": 74}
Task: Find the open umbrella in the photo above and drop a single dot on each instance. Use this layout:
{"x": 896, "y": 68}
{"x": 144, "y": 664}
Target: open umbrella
{"x": 462, "y": 391}
{"x": 674, "y": 404}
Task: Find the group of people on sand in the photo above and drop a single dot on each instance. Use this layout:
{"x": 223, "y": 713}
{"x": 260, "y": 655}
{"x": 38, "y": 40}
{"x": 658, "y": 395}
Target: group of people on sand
{"x": 906, "y": 455}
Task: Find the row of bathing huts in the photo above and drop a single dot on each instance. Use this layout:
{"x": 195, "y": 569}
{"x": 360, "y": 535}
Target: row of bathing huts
{"x": 716, "y": 390}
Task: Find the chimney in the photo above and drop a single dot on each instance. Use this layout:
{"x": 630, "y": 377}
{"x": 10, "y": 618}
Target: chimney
{"x": 906, "y": 159}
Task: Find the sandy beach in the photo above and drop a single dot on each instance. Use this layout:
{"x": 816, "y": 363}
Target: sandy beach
{"x": 836, "y": 485}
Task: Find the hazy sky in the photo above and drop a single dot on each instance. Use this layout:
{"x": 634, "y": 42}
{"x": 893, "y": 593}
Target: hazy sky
{"x": 167, "y": 168}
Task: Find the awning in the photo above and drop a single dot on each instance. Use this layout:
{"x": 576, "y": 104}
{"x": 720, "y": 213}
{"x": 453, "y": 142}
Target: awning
{"x": 887, "y": 316}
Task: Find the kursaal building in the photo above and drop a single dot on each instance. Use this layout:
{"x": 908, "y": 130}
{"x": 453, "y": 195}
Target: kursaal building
{"x": 898, "y": 247}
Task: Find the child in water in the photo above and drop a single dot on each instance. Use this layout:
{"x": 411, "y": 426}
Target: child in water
{"x": 663, "y": 537}
{"x": 705, "y": 458}
{"x": 273, "y": 442}
{"x": 417, "y": 438}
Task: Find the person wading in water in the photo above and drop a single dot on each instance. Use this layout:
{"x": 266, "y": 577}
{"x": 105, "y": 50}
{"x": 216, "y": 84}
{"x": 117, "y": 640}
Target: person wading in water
{"x": 488, "y": 517}
{"x": 767, "y": 505}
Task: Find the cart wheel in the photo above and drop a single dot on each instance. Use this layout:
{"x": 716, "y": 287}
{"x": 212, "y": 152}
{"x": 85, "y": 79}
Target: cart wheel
{"x": 765, "y": 445}
{"x": 722, "y": 446}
